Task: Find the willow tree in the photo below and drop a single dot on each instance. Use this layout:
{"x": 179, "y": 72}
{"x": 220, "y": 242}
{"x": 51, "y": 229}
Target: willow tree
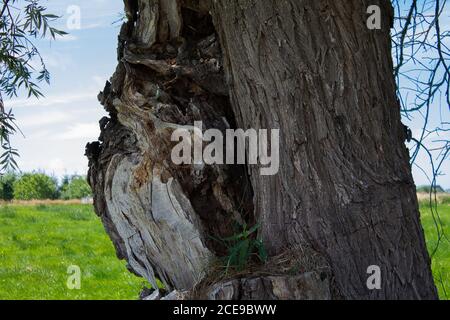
{"x": 344, "y": 198}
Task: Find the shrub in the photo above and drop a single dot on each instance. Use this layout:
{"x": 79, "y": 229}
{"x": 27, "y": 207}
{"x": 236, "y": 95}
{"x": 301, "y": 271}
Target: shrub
{"x": 75, "y": 188}
{"x": 35, "y": 186}
{"x": 7, "y": 186}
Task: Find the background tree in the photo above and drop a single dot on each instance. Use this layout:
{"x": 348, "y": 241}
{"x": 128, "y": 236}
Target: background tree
{"x": 428, "y": 189}
{"x": 64, "y": 183}
{"x": 75, "y": 188}
{"x": 344, "y": 198}
{"x": 7, "y": 186}
{"x": 35, "y": 186}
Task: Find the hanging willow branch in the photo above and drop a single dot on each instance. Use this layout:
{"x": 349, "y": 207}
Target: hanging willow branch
{"x": 18, "y": 54}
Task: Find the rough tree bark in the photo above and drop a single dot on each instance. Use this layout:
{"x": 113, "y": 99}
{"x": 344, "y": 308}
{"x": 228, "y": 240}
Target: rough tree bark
{"x": 344, "y": 195}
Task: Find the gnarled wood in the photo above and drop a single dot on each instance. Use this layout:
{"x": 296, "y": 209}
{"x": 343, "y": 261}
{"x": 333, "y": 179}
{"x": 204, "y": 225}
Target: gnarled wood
{"x": 309, "y": 68}
{"x": 159, "y": 215}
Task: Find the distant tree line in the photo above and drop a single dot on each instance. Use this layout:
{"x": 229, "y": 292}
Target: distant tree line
{"x": 40, "y": 186}
{"x": 428, "y": 189}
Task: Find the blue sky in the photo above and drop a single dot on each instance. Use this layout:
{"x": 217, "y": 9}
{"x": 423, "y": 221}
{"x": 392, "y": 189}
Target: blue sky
{"x": 58, "y": 126}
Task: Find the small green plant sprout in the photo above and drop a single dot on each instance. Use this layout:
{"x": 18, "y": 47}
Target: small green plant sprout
{"x": 243, "y": 247}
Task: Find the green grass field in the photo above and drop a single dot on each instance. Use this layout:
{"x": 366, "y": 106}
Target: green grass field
{"x": 38, "y": 243}
{"x": 441, "y": 258}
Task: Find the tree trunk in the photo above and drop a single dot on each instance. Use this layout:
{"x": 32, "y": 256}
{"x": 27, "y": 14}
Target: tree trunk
{"x": 343, "y": 199}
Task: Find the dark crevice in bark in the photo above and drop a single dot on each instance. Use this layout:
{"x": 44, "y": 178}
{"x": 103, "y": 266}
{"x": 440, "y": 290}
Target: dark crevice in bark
{"x": 196, "y": 25}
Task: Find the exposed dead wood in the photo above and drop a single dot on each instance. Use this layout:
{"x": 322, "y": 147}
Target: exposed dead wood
{"x": 160, "y": 216}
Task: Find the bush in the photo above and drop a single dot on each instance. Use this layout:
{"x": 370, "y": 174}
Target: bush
{"x": 75, "y": 188}
{"x": 35, "y": 186}
{"x": 7, "y": 186}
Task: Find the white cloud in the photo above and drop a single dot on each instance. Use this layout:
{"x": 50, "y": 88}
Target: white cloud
{"x": 56, "y": 165}
{"x": 100, "y": 81}
{"x": 66, "y": 38}
{"x": 57, "y": 60}
{"x": 89, "y": 131}
{"x": 51, "y": 100}
{"x": 43, "y": 119}
{"x": 92, "y": 26}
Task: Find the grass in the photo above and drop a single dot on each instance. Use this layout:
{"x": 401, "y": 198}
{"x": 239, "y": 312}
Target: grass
{"x": 39, "y": 242}
{"x": 441, "y": 258}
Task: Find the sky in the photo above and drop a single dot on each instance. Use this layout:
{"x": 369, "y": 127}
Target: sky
{"x": 57, "y": 127}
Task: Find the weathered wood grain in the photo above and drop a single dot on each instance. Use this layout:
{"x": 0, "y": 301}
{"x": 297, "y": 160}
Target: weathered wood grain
{"x": 309, "y": 68}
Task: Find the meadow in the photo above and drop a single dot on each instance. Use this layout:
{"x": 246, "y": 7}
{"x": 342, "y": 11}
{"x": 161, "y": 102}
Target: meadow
{"x": 39, "y": 241}
{"x": 440, "y": 257}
